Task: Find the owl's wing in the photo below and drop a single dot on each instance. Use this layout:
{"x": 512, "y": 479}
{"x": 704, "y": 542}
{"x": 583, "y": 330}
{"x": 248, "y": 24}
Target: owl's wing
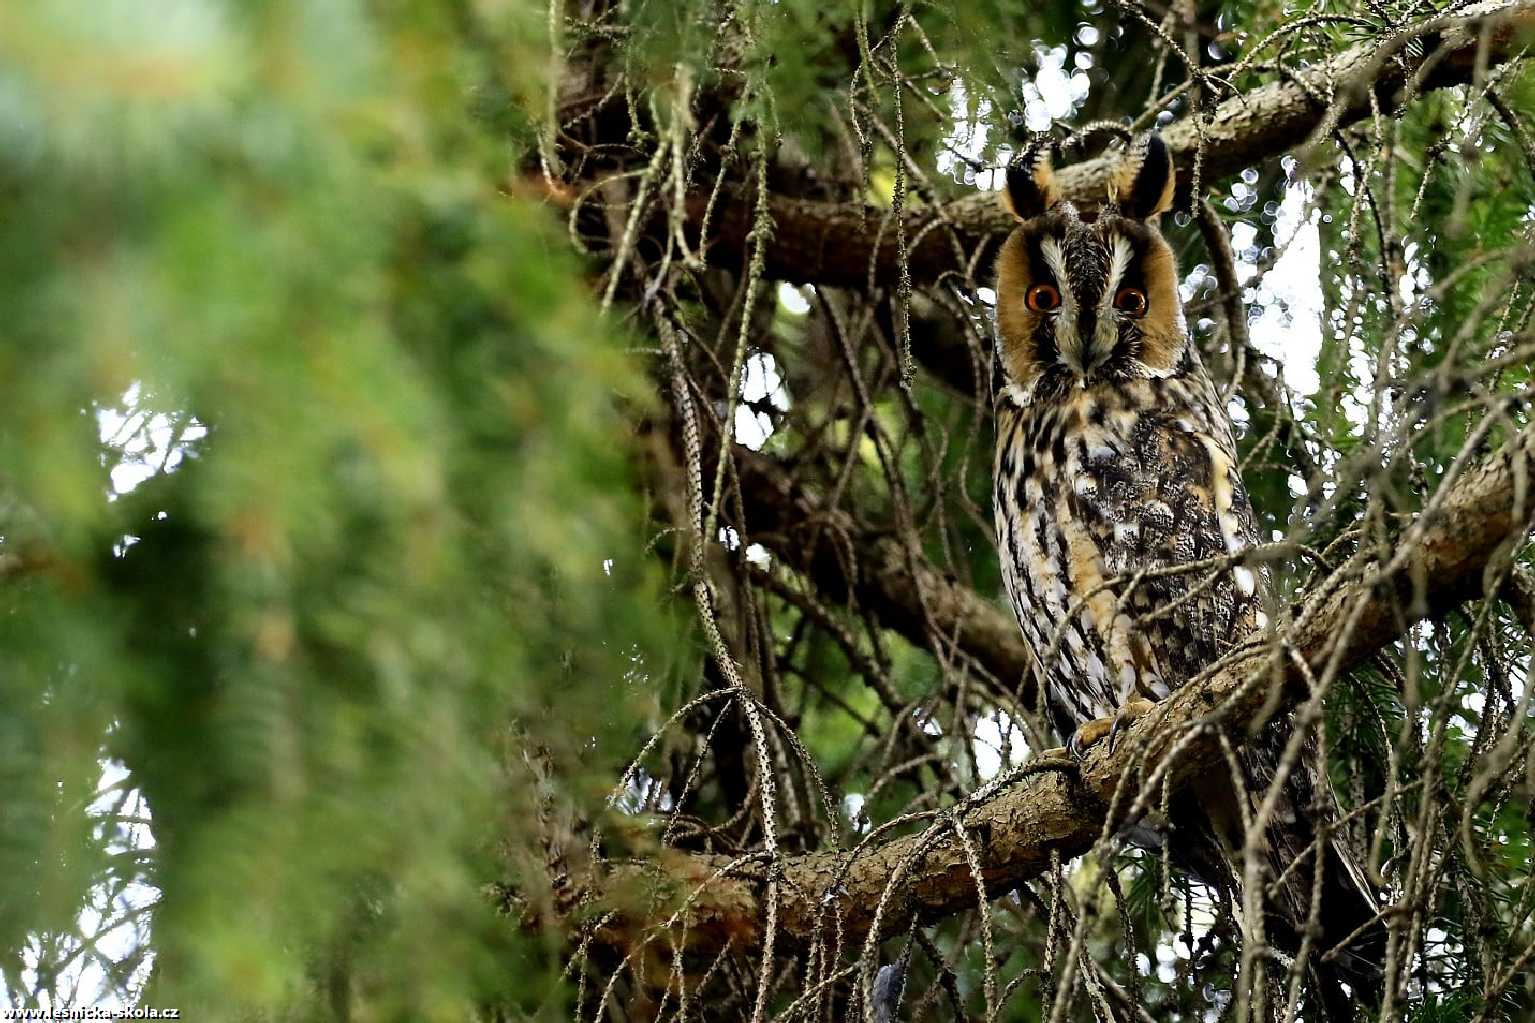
{"x": 1164, "y": 496}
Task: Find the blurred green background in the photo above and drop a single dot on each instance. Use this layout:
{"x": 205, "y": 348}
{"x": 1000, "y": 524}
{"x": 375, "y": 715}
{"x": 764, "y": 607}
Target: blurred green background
{"x": 310, "y": 461}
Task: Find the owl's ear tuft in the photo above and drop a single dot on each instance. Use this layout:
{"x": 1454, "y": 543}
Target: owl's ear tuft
{"x": 1144, "y": 185}
{"x": 1030, "y": 181}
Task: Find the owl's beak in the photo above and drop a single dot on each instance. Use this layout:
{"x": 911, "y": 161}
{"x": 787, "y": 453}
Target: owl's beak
{"x": 1086, "y": 342}
{"x": 1091, "y": 335}
{"x": 1073, "y": 353}
{"x": 1105, "y": 338}
{"x": 1075, "y": 342}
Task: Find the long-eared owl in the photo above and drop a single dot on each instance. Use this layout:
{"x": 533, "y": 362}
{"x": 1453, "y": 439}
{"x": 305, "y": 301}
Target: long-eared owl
{"x": 1115, "y": 458}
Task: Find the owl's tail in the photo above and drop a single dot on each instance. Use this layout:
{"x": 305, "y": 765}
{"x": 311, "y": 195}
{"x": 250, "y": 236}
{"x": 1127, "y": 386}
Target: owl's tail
{"x": 1344, "y": 979}
{"x": 1341, "y": 981}
{"x": 1348, "y": 942}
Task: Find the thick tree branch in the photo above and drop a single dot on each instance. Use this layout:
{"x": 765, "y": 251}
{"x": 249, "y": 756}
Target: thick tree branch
{"x": 907, "y": 595}
{"x": 835, "y": 243}
{"x": 1016, "y": 831}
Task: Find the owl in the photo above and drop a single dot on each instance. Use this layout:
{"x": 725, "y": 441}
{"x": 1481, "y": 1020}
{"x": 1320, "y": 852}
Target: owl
{"x": 1115, "y": 456}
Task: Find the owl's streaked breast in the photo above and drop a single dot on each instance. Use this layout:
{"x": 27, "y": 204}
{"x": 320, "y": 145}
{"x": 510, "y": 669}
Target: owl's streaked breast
{"x": 1096, "y": 484}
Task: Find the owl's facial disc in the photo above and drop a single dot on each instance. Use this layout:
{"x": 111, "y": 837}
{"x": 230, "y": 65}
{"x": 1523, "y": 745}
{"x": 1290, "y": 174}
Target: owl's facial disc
{"x": 1084, "y": 297}
{"x": 1081, "y": 300}
{"x": 1103, "y": 293}
{"x": 1089, "y": 325}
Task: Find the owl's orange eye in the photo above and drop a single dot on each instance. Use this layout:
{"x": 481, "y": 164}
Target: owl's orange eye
{"x": 1131, "y": 301}
{"x": 1043, "y": 298}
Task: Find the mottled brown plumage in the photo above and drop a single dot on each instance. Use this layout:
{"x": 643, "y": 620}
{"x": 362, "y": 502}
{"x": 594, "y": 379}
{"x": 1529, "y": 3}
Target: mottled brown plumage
{"x": 1115, "y": 456}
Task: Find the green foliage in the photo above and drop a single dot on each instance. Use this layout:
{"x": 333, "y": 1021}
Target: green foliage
{"x": 387, "y": 471}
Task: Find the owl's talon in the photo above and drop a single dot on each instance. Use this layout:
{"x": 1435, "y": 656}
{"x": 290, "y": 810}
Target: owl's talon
{"x": 1086, "y": 735}
{"x": 1092, "y": 732}
{"x": 1127, "y": 716}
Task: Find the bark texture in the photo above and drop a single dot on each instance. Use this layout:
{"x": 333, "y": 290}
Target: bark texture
{"x": 845, "y": 244}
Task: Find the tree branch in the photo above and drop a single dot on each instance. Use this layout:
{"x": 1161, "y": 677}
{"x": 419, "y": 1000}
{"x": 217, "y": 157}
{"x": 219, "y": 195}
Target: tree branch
{"x": 1018, "y": 828}
{"x": 909, "y": 596}
{"x": 835, "y": 243}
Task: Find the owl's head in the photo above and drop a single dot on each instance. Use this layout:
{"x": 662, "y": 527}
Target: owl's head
{"x": 1082, "y": 298}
